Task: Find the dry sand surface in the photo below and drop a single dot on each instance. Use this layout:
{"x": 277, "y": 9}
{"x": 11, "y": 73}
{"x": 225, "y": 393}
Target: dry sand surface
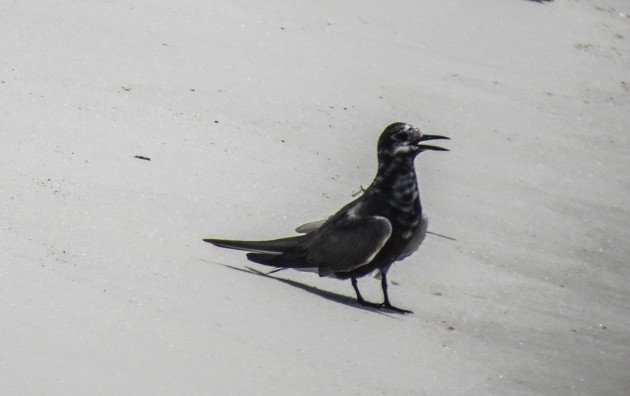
{"x": 260, "y": 116}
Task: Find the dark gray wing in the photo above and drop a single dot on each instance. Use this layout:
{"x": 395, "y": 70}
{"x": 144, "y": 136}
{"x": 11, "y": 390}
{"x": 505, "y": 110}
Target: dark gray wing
{"x": 308, "y": 227}
{"x": 346, "y": 243}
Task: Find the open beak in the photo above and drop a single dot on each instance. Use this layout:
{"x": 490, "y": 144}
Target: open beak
{"x": 428, "y": 146}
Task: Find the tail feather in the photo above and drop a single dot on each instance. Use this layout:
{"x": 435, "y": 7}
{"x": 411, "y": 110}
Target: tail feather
{"x": 264, "y": 258}
{"x": 273, "y": 247}
{"x": 281, "y": 253}
{"x": 281, "y": 262}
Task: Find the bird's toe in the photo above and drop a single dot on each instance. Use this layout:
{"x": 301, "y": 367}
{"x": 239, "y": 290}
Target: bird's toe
{"x": 396, "y": 309}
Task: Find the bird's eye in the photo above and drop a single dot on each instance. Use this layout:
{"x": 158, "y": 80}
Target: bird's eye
{"x": 402, "y": 136}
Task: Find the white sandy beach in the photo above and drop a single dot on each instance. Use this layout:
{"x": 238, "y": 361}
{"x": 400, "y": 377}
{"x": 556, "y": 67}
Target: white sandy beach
{"x": 259, "y": 117}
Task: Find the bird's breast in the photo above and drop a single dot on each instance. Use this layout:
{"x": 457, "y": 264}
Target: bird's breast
{"x": 414, "y": 237}
{"x": 400, "y": 202}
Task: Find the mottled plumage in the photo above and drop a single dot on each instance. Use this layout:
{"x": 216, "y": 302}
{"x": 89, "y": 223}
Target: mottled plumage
{"x": 382, "y": 226}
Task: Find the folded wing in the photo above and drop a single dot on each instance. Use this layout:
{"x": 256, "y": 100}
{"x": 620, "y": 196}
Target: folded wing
{"x": 347, "y": 243}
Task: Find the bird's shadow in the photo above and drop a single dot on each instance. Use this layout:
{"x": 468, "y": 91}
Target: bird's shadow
{"x": 338, "y": 298}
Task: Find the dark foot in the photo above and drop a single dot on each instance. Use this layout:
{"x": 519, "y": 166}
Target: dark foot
{"x": 386, "y": 303}
{"x": 369, "y": 304}
{"x": 393, "y": 308}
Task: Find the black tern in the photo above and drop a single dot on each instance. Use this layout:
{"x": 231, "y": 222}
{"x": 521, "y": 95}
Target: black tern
{"x": 384, "y": 225}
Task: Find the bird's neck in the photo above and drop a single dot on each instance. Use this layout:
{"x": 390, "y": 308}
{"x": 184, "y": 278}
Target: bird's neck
{"x": 395, "y": 173}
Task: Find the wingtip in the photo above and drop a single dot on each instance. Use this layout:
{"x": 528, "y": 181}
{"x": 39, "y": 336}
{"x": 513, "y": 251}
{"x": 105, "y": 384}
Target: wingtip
{"x": 212, "y": 241}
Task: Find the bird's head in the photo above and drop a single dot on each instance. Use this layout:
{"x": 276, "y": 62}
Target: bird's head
{"x": 400, "y": 139}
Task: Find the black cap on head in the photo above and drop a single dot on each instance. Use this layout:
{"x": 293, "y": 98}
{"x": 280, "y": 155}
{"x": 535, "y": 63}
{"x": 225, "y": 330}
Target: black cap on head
{"x": 400, "y": 138}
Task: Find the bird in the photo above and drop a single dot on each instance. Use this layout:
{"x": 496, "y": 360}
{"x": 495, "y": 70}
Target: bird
{"x": 383, "y": 225}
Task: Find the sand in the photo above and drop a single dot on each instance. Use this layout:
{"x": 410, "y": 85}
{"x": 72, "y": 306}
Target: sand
{"x": 260, "y": 117}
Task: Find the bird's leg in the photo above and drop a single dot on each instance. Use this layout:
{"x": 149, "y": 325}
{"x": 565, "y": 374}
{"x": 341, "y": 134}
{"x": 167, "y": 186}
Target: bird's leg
{"x": 387, "y": 304}
{"x": 360, "y": 299}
